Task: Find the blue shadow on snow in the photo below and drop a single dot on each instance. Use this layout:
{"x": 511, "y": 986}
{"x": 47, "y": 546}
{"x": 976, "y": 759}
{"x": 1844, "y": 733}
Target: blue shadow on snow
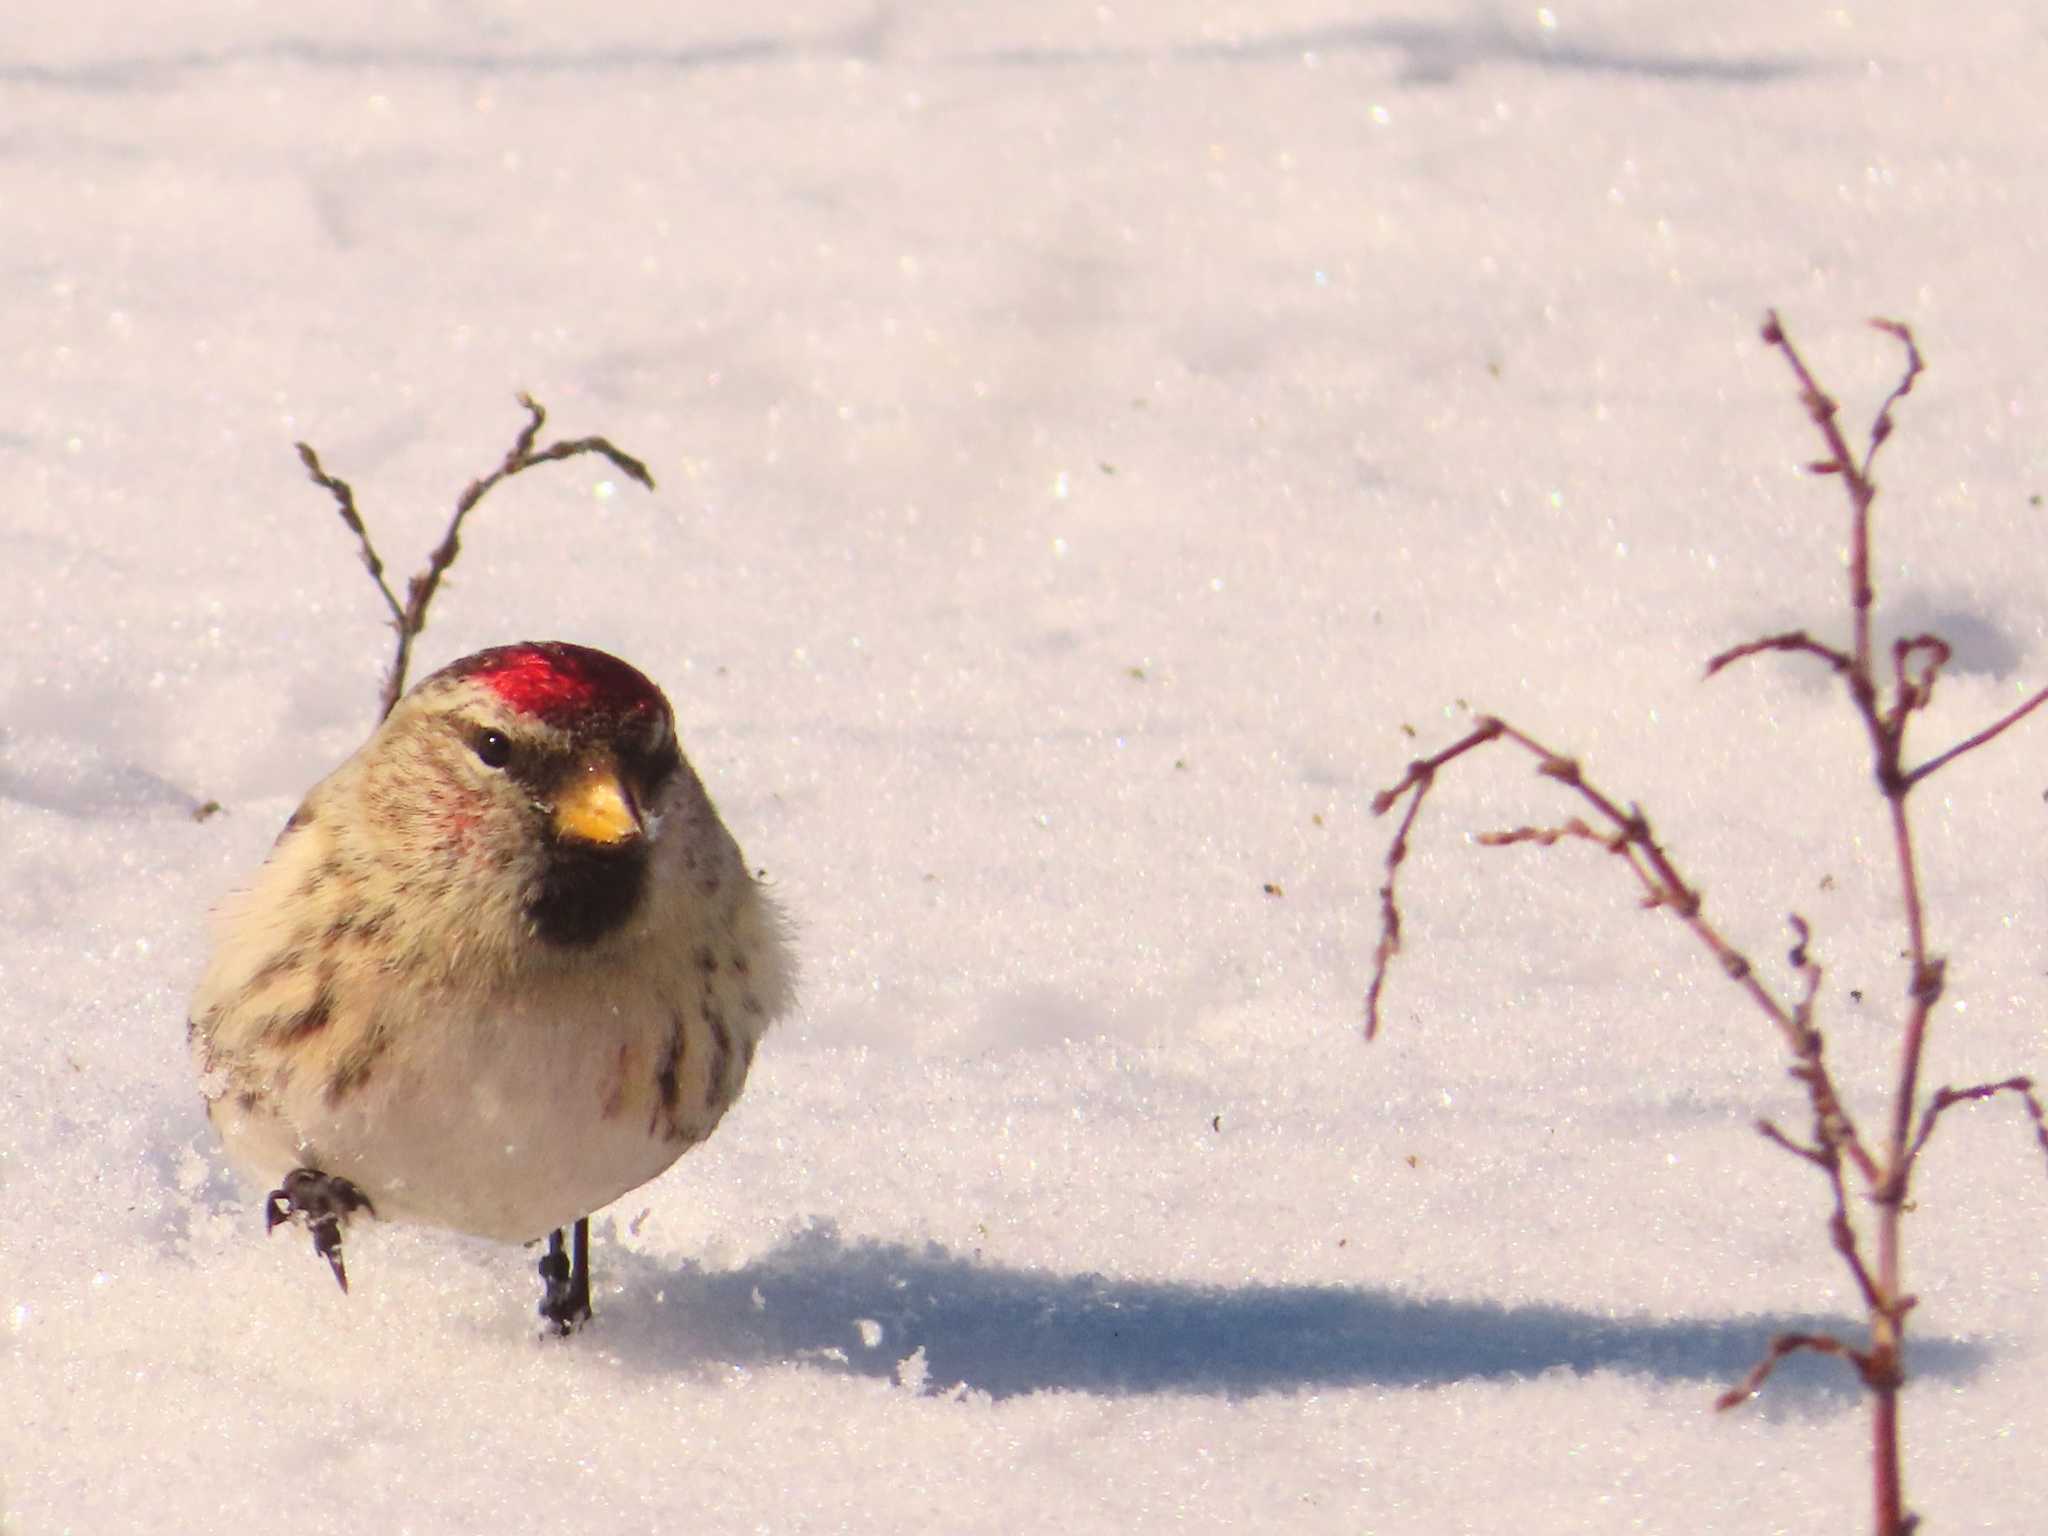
{"x": 863, "y": 1307}
{"x": 1427, "y": 50}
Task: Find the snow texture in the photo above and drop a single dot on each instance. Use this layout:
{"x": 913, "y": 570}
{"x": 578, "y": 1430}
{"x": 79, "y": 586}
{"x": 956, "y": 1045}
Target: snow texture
{"x": 1097, "y": 446}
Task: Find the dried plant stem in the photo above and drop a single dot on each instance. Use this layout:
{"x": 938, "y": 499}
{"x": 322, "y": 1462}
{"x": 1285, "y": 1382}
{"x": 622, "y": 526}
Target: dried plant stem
{"x": 409, "y": 618}
{"x": 1972, "y": 743}
{"x": 1881, "y": 1170}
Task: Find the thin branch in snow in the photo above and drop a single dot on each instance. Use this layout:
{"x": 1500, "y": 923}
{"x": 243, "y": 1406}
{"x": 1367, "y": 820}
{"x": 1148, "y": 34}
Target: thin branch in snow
{"x": 1881, "y": 1166}
{"x": 1946, "y": 1099}
{"x": 1783, "y": 1345}
{"x": 1416, "y": 785}
{"x": 1794, "y": 640}
{"x": 345, "y": 503}
{"x": 409, "y": 618}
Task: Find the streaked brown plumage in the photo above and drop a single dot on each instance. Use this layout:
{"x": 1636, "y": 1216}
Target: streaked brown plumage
{"x": 502, "y": 966}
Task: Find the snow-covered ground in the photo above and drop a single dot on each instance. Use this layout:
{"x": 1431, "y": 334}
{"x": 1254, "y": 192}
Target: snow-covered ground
{"x": 1097, "y": 446}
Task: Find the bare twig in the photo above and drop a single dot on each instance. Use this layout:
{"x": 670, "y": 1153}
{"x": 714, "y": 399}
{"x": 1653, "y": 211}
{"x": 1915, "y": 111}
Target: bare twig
{"x": 1848, "y": 1244}
{"x": 1800, "y": 958}
{"x": 1970, "y": 744}
{"x": 1916, "y": 662}
{"x": 1881, "y": 425}
{"x": 1796, "y": 640}
{"x": 1945, "y": 1099}
{"x": 1784, "y": 1344}
{"x": 1855, "y": 474}
{"x": 409, "y": 618}
{"x": 1881, "y": 1169}
{"x": 1631, "y": 837}
{"x": 345, "y": 502}
{"x": 1416, "y": 783}
{"x": 1768, "y": 1129}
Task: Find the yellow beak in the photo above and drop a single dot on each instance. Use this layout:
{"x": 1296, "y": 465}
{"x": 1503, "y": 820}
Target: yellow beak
{"x": 593, "y": 806}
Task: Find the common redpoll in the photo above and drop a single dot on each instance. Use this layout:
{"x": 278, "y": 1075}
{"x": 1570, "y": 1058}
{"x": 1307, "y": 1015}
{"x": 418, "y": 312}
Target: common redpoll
{"x": 502, "y": 966}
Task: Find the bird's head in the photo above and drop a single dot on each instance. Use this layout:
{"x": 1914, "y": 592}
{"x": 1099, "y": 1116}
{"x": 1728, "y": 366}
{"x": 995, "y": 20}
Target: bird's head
{"x": 529, "y": 782}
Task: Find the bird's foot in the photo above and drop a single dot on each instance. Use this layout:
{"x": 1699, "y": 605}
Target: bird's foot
{"x": 325, "y": 1201}
{"x": 565, "y": 1288}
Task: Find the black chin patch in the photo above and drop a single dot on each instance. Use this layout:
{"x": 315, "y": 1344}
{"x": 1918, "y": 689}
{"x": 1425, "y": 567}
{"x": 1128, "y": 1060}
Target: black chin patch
{"x": 588, "y": 891}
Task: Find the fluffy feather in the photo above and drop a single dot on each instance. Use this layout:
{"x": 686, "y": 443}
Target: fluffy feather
{"x": 482, "y": 1023}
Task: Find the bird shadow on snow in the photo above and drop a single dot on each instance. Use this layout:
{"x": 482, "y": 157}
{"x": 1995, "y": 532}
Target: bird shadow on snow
{"x": 869, "y": 1308}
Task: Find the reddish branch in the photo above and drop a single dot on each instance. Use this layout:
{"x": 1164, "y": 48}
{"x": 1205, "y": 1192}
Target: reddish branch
{"x": 1784, "y": 1344}
{"x": 1840, "y": 461}
{"x": 1421, "y": 774}
{"x": 1971, "y": 743}
{"x": 1882, "y": 1169}
{"x": 1945, "y": 1099}
{"x": 409, "y": 618}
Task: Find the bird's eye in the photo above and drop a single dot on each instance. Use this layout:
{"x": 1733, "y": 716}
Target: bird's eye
{"x": 493, "y": 748}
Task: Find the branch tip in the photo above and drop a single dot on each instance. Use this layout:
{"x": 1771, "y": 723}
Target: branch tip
{"x": 1784, "y": 1345}
{"x": 409, "y": 618}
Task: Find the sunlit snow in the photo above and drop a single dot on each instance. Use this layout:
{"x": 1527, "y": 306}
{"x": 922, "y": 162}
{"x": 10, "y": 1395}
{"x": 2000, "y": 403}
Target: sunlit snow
{"x": 1097, "y": 446}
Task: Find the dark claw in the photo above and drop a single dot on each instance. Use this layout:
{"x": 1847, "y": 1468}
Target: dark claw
{"x": 565, "y": 1289}
{"x": 326, "y": 1201}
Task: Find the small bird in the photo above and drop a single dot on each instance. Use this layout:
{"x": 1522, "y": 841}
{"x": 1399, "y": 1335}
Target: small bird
{"x": 502, "y": 966}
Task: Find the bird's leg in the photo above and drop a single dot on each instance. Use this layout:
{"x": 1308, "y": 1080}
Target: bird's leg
{"x": 326, "y": 1201}
{"x": 565, "y": 1295}
{"x": 554, "y": 1276}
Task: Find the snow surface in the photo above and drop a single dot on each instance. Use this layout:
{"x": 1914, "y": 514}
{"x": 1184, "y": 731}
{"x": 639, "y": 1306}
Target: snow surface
{"x": 1091, "y": 440}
